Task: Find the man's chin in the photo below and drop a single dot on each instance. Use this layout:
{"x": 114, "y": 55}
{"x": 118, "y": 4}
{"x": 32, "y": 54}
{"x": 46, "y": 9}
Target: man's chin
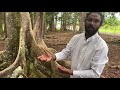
{"x": 90, "y": 33}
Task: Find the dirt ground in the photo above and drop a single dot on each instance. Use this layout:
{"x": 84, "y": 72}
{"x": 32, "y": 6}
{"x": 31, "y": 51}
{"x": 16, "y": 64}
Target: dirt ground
{"x": 58, "y": 41}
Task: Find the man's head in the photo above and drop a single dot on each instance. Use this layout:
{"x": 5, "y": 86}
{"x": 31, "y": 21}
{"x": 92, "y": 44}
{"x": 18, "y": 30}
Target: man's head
{"x": 93, "y": 22}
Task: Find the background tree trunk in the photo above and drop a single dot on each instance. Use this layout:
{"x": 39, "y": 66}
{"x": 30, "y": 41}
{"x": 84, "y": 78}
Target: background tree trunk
{"x": 2, "y": 25}
{"x": 5, "y": 29}
{"x": 82, "y": 19}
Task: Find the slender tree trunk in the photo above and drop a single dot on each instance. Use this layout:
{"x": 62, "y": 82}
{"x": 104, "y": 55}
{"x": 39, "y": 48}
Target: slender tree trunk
{"x": 64, "y": 25}
{"x": 33, "y": 18}
{"x": 52, "y": 24}
{"x": 5, "y": 29}
{"x": 61, "y": 25}
{"x": 45, "y": 26}
{"x": 55, "y": 23}
{"x": 74, "y": 26}
{"x": 1, "y": 24}
{"x": 82, "y": 19}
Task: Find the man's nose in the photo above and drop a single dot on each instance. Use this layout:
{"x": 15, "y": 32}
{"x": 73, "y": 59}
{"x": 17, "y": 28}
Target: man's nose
{"x": 92, "y": 22}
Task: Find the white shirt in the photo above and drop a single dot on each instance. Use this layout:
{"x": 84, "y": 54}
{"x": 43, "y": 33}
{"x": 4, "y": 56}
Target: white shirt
{"x": 88, "y": 57}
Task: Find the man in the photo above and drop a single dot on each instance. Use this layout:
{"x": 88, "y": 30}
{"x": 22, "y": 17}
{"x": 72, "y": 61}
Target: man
{"x": 88, "y": 51}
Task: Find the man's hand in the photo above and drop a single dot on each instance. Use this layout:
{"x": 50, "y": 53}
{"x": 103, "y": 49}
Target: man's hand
{"x": 47, "y": 57}
{"x": 65, "y": 70}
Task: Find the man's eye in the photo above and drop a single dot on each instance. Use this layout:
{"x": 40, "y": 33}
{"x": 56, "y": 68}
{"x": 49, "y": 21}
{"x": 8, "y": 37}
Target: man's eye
{"x": 96, "y": 21}
{"x": 89, "y": 20}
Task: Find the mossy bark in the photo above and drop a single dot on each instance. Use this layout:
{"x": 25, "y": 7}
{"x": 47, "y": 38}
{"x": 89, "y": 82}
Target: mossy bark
{"x": 12, "y": 42}
{"x": 27, "y": 52}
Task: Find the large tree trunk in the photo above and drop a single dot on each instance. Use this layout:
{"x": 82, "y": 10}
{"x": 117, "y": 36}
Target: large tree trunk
{"x": 34, "y": 49}
{"x": 27, "y": 52}
{"x": 12, "y": 47}
{"x": 12, "y": 43}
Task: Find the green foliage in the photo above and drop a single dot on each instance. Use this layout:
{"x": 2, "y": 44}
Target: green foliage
{"x": 49, "y": 15}
{"x": 110, "y": 29}
{"x": 68, "y": 18}
{"x": 112, "y": 21}
{"x": 109, "y": 14}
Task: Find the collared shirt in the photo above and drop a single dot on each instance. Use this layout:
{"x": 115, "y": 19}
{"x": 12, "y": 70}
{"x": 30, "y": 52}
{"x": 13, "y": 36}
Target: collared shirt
{"x": 88, "y": 57}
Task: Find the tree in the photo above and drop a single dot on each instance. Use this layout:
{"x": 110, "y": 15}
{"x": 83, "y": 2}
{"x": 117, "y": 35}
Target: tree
{"x": 27, "y": 50}
{"x": 33, "y": 18}
{"x": 51, "y": 19}
{"x": 1, "y": 24}
{"x": 5, "y": 30}
{"x": 9, "y": 55}
{"x": 82, "y": 19}
{"x": 75, "y": 21}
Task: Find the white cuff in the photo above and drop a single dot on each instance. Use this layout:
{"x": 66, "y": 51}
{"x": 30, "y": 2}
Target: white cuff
{"x": 60, "y": 56}
{"x": 76, "y": 72}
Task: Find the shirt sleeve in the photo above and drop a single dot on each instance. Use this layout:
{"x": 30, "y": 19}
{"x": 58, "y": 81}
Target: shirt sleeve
{"x": 85, "y": 74}
{"x": 97, "y": 65}
{"x": 66, "y": 52}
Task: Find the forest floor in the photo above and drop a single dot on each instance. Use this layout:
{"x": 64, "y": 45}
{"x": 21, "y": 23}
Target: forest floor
{"x": 58, "y": 41}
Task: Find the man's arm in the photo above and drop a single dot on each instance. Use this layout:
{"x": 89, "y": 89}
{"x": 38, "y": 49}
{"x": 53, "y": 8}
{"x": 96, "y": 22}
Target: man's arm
{"x": 66, "y": 52}
{"x": 60, "y": 55}
{"x": 97, "y": 65}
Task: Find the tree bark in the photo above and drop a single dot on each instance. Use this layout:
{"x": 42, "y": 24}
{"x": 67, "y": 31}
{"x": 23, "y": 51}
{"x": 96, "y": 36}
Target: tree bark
{"x": 28, "y": 51}
{"x": 1, "y": 24}
{"x": 12, "y": 47}
{"x": 74, "y": 26}
{"x": 82, "y": 20}
{"x": 43, "y": 69}
{"x": 52, "y": 23}
{"x": 5, "y": 29}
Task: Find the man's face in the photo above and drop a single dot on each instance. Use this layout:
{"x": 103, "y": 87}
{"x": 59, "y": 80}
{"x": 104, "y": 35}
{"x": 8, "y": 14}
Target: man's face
{"x": 92, "y": 23}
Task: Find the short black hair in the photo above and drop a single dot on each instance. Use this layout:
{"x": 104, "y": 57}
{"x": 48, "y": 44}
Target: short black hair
{"x": 100, "y": 13}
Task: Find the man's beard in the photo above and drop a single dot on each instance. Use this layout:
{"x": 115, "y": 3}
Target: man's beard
{"x": 90, "y": 31}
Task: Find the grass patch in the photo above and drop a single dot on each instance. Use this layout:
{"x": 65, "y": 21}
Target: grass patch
{"x": 113, "y": 30}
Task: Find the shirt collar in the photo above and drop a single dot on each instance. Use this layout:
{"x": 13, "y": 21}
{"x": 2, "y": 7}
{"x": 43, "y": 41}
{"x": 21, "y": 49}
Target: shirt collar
{"x": 92, "y": 37}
